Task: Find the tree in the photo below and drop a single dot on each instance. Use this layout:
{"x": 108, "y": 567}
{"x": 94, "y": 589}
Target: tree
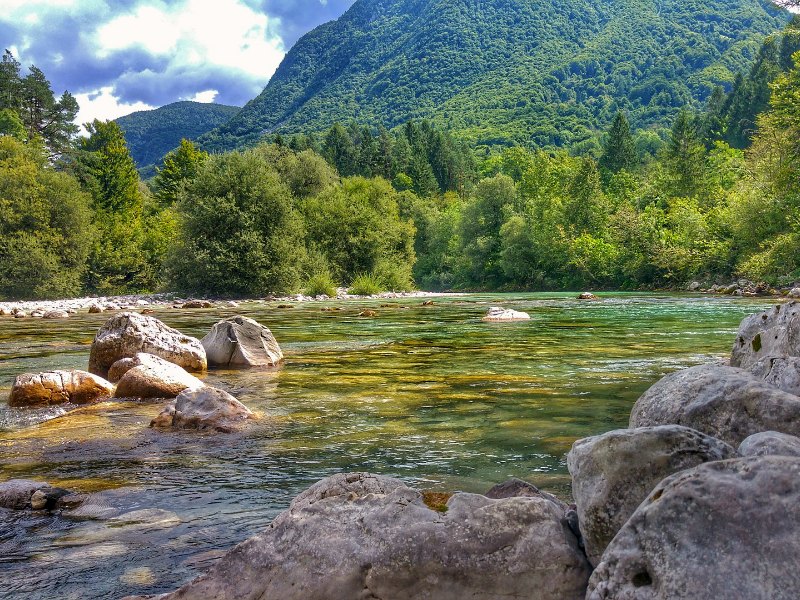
{"x": 45, "y": 116}
{"x": 685, "y": 156}
{"x": 45, "y": 226}
{"x": 10, "y": 83}
{"x": 339, "y": 150}
{"x": 180, "y": 166}
{"x": 619, "y": 149}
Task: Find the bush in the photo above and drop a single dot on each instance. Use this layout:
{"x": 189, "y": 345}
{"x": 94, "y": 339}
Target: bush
{"x": 321, "y": 284}
{"x": 366, "y": 284}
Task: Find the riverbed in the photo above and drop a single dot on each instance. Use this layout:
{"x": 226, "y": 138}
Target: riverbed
{"x": 430, "y": 394}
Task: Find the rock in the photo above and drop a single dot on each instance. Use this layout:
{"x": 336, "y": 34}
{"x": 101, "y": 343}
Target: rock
{"x": 794, "y": 292}
{"x": 783, "y": 372}
{"x": 197, "y": 304}
{"x": 204, "y": 408}
{"x": 516, "y": 488}
{"x": 428, "y": 303}
{"x": 20, "y": 314}
{"x": 497, "y": 313}
{"x": 366, "y": 536}
{"x": 587, "y": 296}
{"x": 16, "y": 494}
{"x": 4, "y": 312}
{"x": 775, "y": 332}
{"x": 770, "y": 443}
{"x": 37, "y": 313}
{"x": 241, "y": 342}
{"x": 724, "y": 402}
{"x": 128, "y": 333}
{"x": 368, "y": 313}
{"x": 726, "y": 529}
{"x": 613, "y": 473}
{"x": 95, "y": 308}
{"x": 55, "y": 314}
{"x": 156, "y": 378}
{"x": 48, "y": 498}
{"x": 694, "y": 286}
{"x": 57, "y": 387}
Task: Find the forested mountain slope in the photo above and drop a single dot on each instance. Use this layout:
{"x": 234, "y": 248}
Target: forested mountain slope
{"x": 150, "y": 134}
{"x": 535, "y": 72}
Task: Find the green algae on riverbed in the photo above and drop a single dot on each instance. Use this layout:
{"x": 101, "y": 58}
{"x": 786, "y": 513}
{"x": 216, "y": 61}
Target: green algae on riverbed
{"x": 430, "y": 394}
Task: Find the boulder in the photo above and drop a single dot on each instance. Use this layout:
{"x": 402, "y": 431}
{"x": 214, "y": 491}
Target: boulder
{"x": 794, "y": 292}
{"x": 781, "y": 371}
{"x": 155, "y": 378}
{"x": 20, "y": 314}
{"x": 497, "y": 313}
{"x": 365, "y": 536}
{"x": 724, "y": 402}
{"x": 770, "y": 443}
{"x": 57, "y": 387}
{"x": 587, "y": 296}
{"x": 16, "y": 493}
{"x": 725, "y": 529}
{"x": 55, "y": 314}
{"x": 204, "y": 408}
{"x": 613, "y": 473}
{"x": 95, "y": 308}
{"x": 197, "y": 304}
{"x": 128, "y": 333}
{"x": 516, "y": 488}
{"x": 775, "y": 332}
{"x": 241, "y": 342}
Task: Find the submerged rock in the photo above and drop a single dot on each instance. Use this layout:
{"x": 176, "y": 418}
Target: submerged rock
{"x": 724, "y": 402}
{"x": 241, "y": 342}
{"x": 614, "y": 472}
{"x": 781, "y": 371}
{"x": 775, "y": 332}
{"x": 587, "y": 296}
{"x": 367, "y": 536}
{"x": 498, "y": 313}
{"x": 21, "y": 494}
{"x": 770, "y": 443}
{"x": 128, "y": 333}
{"x": 154, "y": 378}
{"x": 206, "y": 408}
{"x": 58, "y": 387}
{"x": 725, "y": 529}
{"x": 55, "y": 314}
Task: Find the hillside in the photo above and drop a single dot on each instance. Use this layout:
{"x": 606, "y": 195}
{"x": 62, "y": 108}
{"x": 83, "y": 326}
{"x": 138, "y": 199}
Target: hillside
{"x": 150, "y": 134}
{"x": 536, "y": 72}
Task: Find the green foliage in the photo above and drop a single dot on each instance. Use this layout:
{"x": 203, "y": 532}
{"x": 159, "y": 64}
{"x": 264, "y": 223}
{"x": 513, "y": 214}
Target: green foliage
{"x": 320, "y": 284}
{"x": 180, "y": 166}
{"x": 45, "y": 226}
{"x": 366, "y": 284}
{"x": 504, "y": 72}
{"x": 151, "y": 134}
{"x": 619, "y": 149}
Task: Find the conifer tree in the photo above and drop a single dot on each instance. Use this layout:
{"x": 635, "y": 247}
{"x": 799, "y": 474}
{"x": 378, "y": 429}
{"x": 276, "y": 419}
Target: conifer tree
{"x": 619, "y": 149}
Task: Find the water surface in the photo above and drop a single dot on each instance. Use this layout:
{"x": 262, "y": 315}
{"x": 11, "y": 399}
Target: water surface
{"x": 430, "y": 394}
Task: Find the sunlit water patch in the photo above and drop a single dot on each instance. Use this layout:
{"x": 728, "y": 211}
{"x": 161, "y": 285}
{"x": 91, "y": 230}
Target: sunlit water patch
{"x": 430, "y": 394}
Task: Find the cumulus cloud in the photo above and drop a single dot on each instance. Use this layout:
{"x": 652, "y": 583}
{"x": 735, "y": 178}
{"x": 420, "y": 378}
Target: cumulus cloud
{"x": 118, "y": 56}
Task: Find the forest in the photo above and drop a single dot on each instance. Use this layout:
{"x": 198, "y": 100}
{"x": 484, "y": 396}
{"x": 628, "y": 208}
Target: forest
{"x": 713, "y": 196}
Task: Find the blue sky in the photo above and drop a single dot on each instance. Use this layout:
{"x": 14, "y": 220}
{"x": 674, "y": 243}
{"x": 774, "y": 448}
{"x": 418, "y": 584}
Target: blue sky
{"x": 125, "y": 55}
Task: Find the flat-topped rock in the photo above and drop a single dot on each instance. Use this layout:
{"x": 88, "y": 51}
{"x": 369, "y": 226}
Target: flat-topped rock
{"x": 204, "y": 408}
{"x": 614, "y": 472}
{"x": 58, "y": 387}
{"x": 498, "y": 313}
{"x": 775, "y": 333}
{"x": 366, "y": 536}
{"x": 724, "y": 529}
{"x": 721, "y": 401}
{"x": 241, "y": 342}
{"x": 128, "y": 333}
{"x": 154, "y": 378}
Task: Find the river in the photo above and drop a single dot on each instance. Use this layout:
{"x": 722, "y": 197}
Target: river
{"x": 430, "y": 394}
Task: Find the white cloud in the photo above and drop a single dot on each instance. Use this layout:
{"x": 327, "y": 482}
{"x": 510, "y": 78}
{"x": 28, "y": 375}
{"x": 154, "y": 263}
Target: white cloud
{"x": 205, "y": 97}
{"x": 103, "y": 105}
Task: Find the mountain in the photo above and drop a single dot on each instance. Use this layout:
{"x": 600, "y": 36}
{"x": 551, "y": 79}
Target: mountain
{"x": 150, "y": 134}
{"x": 535, "y": 72}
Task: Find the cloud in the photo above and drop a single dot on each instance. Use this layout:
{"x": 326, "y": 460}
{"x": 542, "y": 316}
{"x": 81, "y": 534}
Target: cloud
{"x": 117, "y": 56}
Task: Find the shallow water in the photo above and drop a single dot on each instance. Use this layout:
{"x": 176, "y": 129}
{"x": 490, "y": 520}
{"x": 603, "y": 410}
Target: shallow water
{"x": 427, "y": 393}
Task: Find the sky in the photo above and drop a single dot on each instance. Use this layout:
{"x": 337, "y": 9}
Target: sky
{"x": 117, "y": 57}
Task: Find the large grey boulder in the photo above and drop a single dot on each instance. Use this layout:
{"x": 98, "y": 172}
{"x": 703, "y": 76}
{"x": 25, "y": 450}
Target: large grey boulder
{"x": 724, "y": 402}
{"x": 58, "y": 387}
{"x": 241, "y": 342}
{"x": 127, "y": 333}
{"x": 16, "y": 493}
{"x": 781, "y": 371}
{"x": 726, "y": 529}
{"x": 367, "y": 536}
{"x": 775, "y": 332}
{"x": 613, "y": 473}
{"x": 154, "y": 378}
{"x": 770, "y": 443}
{"x": 205, "y": 408}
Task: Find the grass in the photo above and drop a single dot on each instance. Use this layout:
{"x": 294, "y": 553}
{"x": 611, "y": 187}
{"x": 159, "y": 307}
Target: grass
{"x": 366, "y": 284}
{"x": 321, "y": 284}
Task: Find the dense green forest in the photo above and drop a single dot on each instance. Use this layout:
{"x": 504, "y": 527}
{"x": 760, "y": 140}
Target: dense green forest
{"x": 150, "y": 134}
{"x": 506, "y": 72}
{"x": 716, "y": 196}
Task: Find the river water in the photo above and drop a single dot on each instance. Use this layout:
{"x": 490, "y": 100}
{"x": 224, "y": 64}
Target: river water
{"x": 430, "y": 394}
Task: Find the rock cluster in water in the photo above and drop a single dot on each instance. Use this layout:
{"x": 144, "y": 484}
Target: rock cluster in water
{"x": 697, "y": 499}
{"x": 498, "y": 313}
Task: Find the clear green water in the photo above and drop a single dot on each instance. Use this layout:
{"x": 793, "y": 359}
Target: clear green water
{"x": 429, "y": 394}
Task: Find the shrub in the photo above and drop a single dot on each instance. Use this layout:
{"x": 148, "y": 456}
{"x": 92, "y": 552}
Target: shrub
{"x": 321, "y": 284}
{"x": 366, "y": 284}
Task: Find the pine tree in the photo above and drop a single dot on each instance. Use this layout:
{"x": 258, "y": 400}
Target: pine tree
{"x": 619, "y": 149}
{"x": 685, "y": 156}
{"x": 180, "y": 166}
